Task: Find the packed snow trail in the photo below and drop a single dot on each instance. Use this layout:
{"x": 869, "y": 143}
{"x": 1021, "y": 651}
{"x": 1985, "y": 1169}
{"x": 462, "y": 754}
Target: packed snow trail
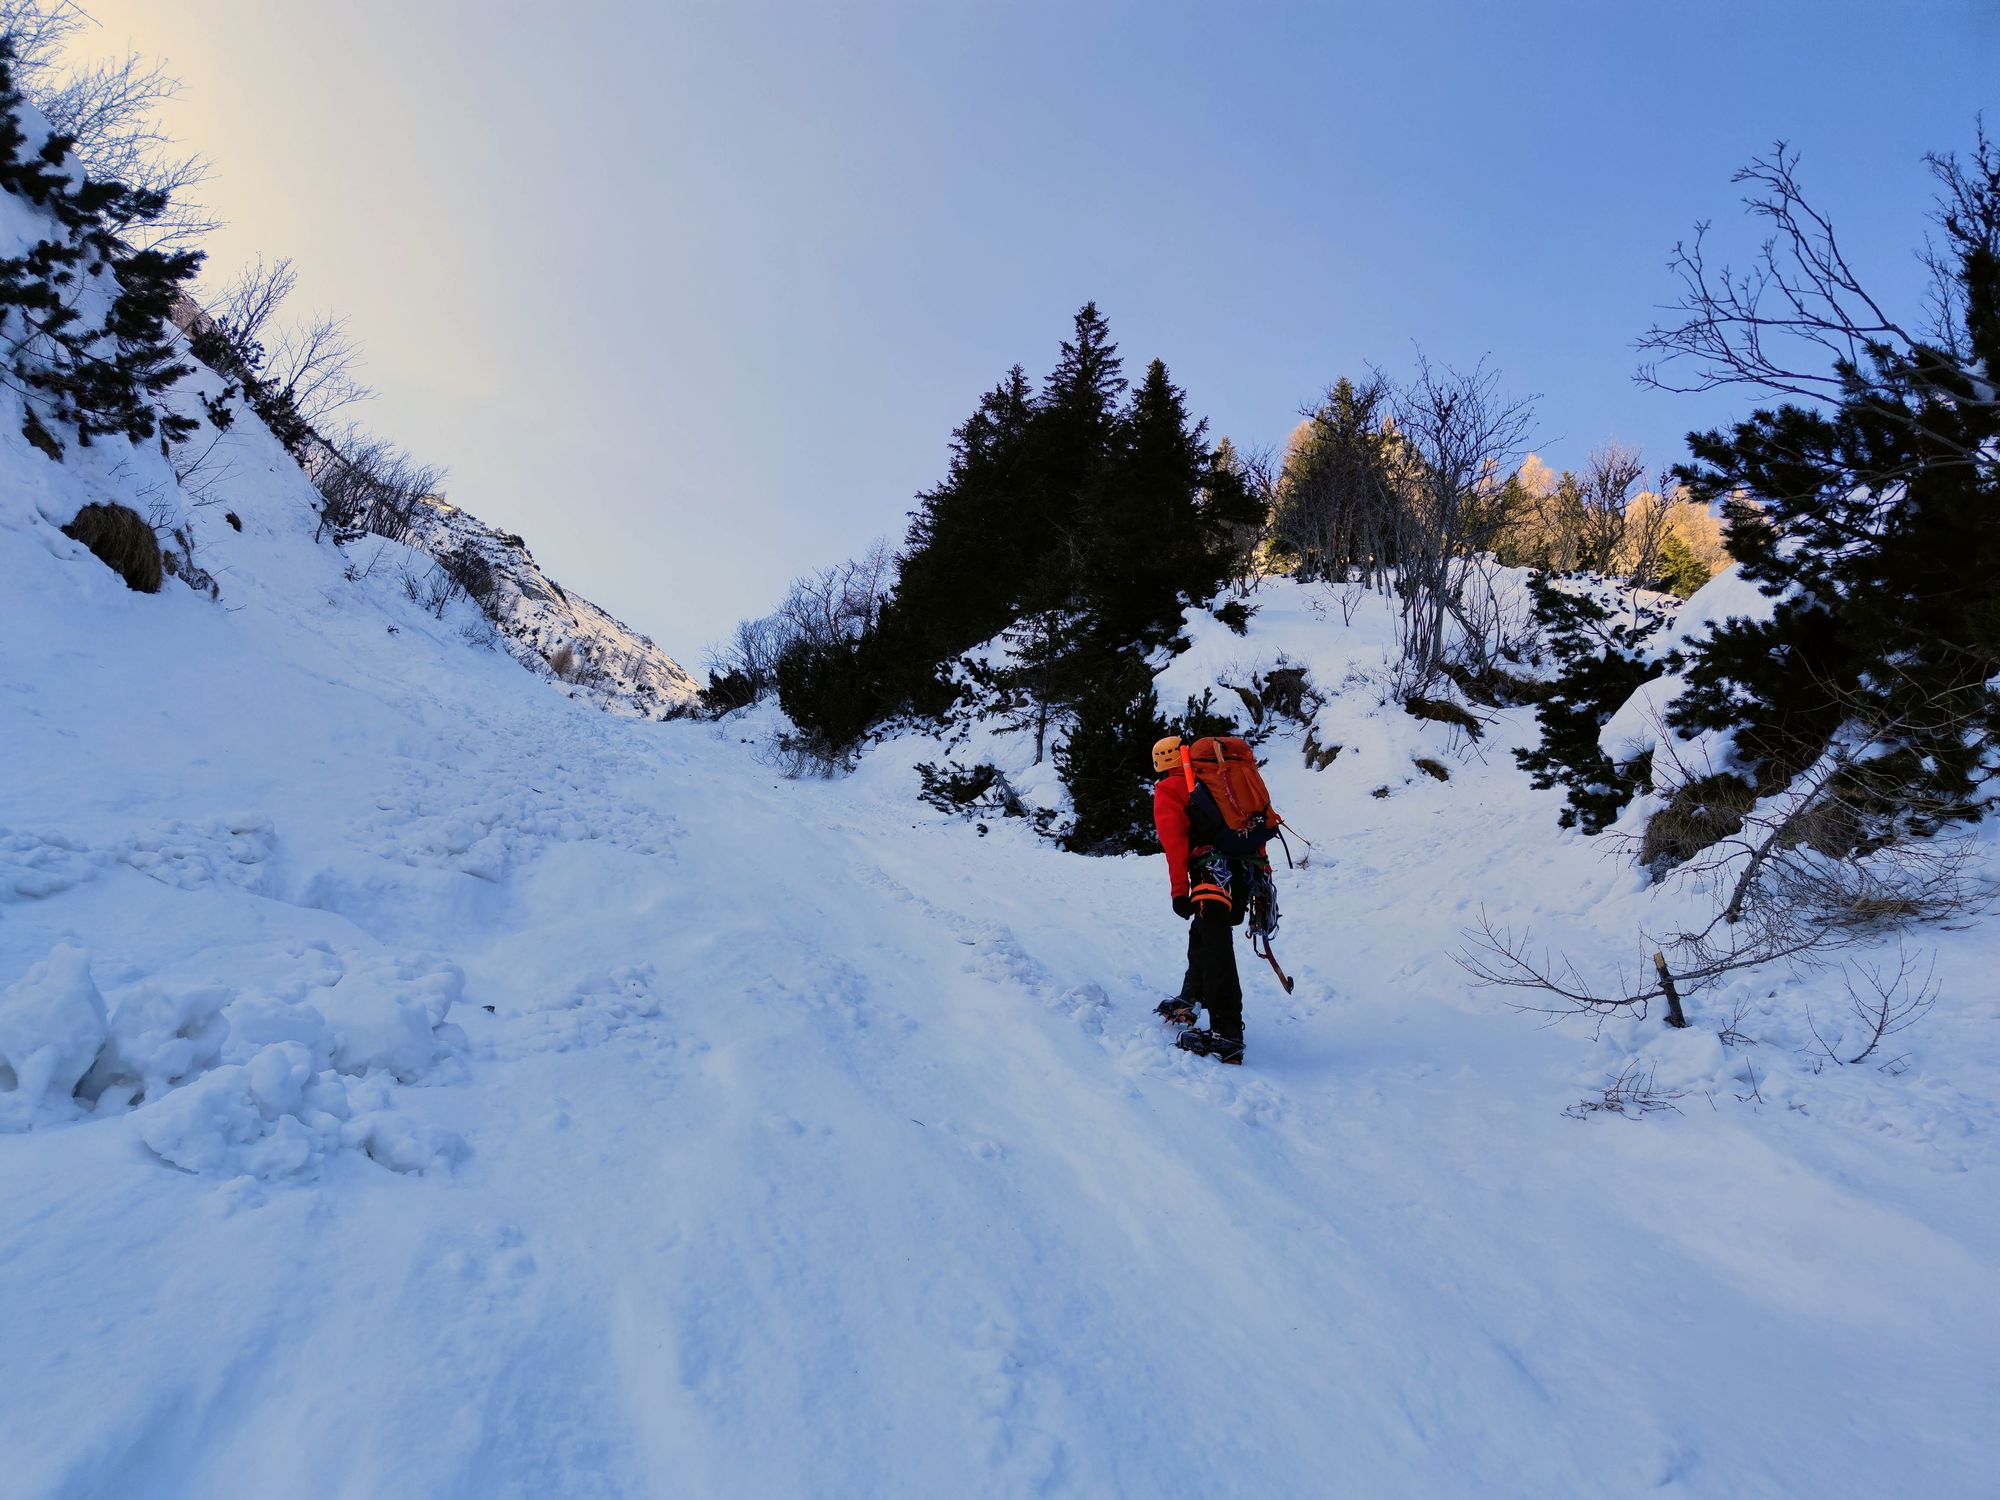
{"x": 900, "y": 1190}
{"x": 817, "y": 1144}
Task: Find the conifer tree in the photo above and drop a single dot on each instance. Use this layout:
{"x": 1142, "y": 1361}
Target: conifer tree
{"x": 96, "y": 375}
{"x": 1333, "y": 496}
{"x": 1103, "y": 762}
{"x": 1873, "y": 516}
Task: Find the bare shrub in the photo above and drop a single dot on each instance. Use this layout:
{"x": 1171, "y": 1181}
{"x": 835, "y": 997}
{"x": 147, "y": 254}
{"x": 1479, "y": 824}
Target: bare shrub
{"x": 296, "y": 375}
{"x": 744, "y": 668}
{"x": 1882, "y": 1001}
{"x": 1830, "y": 862}
{"x": 120, "y": 538}
{"x": 1457, "y": 434}
{"x": 369, "y": 485}
{"x": 1633, "y": 1091}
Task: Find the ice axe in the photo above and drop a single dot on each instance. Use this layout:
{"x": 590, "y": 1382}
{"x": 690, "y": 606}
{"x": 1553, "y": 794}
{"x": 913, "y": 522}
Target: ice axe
{"x": 1271, "y": 958}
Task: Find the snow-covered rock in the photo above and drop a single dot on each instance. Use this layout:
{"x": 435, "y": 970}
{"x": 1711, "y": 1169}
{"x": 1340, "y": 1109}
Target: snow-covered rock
{"x": 539, "y": 622}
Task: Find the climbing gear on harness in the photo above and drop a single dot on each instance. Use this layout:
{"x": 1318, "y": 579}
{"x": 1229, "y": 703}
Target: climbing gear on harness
{"x": 1263, "y": 918}
{"x": 1209, "y": 882}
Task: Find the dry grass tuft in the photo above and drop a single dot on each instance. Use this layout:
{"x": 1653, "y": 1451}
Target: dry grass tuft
{"x": 1701, "y": 813}
{"x": 119, "y": 537}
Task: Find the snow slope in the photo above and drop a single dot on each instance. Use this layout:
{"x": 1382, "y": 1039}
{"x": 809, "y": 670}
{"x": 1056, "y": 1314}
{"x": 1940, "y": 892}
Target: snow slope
{"x": 708, "y": 1133}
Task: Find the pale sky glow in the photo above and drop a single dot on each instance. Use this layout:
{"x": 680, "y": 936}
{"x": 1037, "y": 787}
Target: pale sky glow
{"x": 691, "y": 296}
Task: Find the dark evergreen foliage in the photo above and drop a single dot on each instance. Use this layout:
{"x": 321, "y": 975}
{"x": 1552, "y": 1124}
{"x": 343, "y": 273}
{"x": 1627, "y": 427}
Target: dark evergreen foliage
{"x": 1080, "y": 521}
{"x": 1876, "y": 524}
{"x": 1603, "y": 664}
{"x": 1199, "y": 719}
{"x": 1103, "y": 762}
{"x": 1679, "y": 571}
{"x": 99, "y": 376}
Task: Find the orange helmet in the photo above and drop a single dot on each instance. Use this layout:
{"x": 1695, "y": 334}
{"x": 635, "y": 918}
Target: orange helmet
{"x": 1167, "y": 753}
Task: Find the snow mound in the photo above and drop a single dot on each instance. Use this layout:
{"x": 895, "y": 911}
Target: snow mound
{"x": 52, "y": 1023}
{"x": 599, "y": 1005}
{"x": 1639, "y": 726}
{"x": 389, "y": 1017}
{"x": 158, "y": 1038}
{"x": 277, "y": 1116}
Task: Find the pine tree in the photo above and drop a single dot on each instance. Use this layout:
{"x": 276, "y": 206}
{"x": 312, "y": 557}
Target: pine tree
{"x": 96, "y": 377}
{"x": 1680, "y": 571}
{"x": 1603, "y": 663}
{"x": 972, "y": 540}
{"x": 1876, "y": 525}
{"x": 1103, "y": 760}
{"x": 1148, "y": 543}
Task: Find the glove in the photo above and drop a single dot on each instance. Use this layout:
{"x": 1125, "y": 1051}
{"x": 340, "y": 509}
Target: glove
{"x": 1261, "y": 831}
{"x": 1183, "y": 906}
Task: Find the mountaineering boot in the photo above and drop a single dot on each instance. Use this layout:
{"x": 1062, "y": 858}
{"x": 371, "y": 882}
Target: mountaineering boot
{"x": 1176, "y": 1012}
{"x": 1213, "y": 1044}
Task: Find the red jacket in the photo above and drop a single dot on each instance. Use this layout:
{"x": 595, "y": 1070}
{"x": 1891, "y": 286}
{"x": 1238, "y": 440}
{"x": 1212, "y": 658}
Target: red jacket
{"x": 1170, "y": 819}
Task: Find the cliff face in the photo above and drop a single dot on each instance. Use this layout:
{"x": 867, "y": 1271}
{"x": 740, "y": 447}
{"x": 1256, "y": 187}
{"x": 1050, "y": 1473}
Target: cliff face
{"x": 549, "y": 630}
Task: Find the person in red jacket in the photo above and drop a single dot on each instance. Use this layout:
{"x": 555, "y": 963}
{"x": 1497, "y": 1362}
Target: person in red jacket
{"x": 1196, "y": 838}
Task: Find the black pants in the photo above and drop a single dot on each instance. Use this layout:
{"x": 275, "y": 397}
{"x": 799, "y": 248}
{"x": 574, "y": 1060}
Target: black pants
{"x": 1211, "y": 973}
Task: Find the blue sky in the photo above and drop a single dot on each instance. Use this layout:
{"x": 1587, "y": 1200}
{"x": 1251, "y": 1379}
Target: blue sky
{"x": 692, "y": 296}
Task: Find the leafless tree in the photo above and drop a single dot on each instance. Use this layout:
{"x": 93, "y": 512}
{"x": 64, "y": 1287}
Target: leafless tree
{"x": 304, "y": 372}
{"x": 110, "y": 109}
{"x": 750, "y": 655}
{"x": 1799, "y": 323}
{"x": 840, "y": 602}
{"x": 368, "y": 484}
{"x": 1457, "y": 436}
{"x": 1605, "y": 488}
{"x": 1647, "y": 525}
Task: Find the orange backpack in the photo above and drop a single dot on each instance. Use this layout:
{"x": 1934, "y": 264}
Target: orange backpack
{"x": 1227, "y": 766}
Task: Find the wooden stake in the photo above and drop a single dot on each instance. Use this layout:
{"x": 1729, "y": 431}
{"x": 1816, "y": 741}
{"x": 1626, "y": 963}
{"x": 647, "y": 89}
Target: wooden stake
{"x": 1674, "y": 1016}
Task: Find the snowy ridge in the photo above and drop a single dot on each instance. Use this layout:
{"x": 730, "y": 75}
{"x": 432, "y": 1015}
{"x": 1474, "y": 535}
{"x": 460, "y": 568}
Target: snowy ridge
{"x": 539, "y": 622}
